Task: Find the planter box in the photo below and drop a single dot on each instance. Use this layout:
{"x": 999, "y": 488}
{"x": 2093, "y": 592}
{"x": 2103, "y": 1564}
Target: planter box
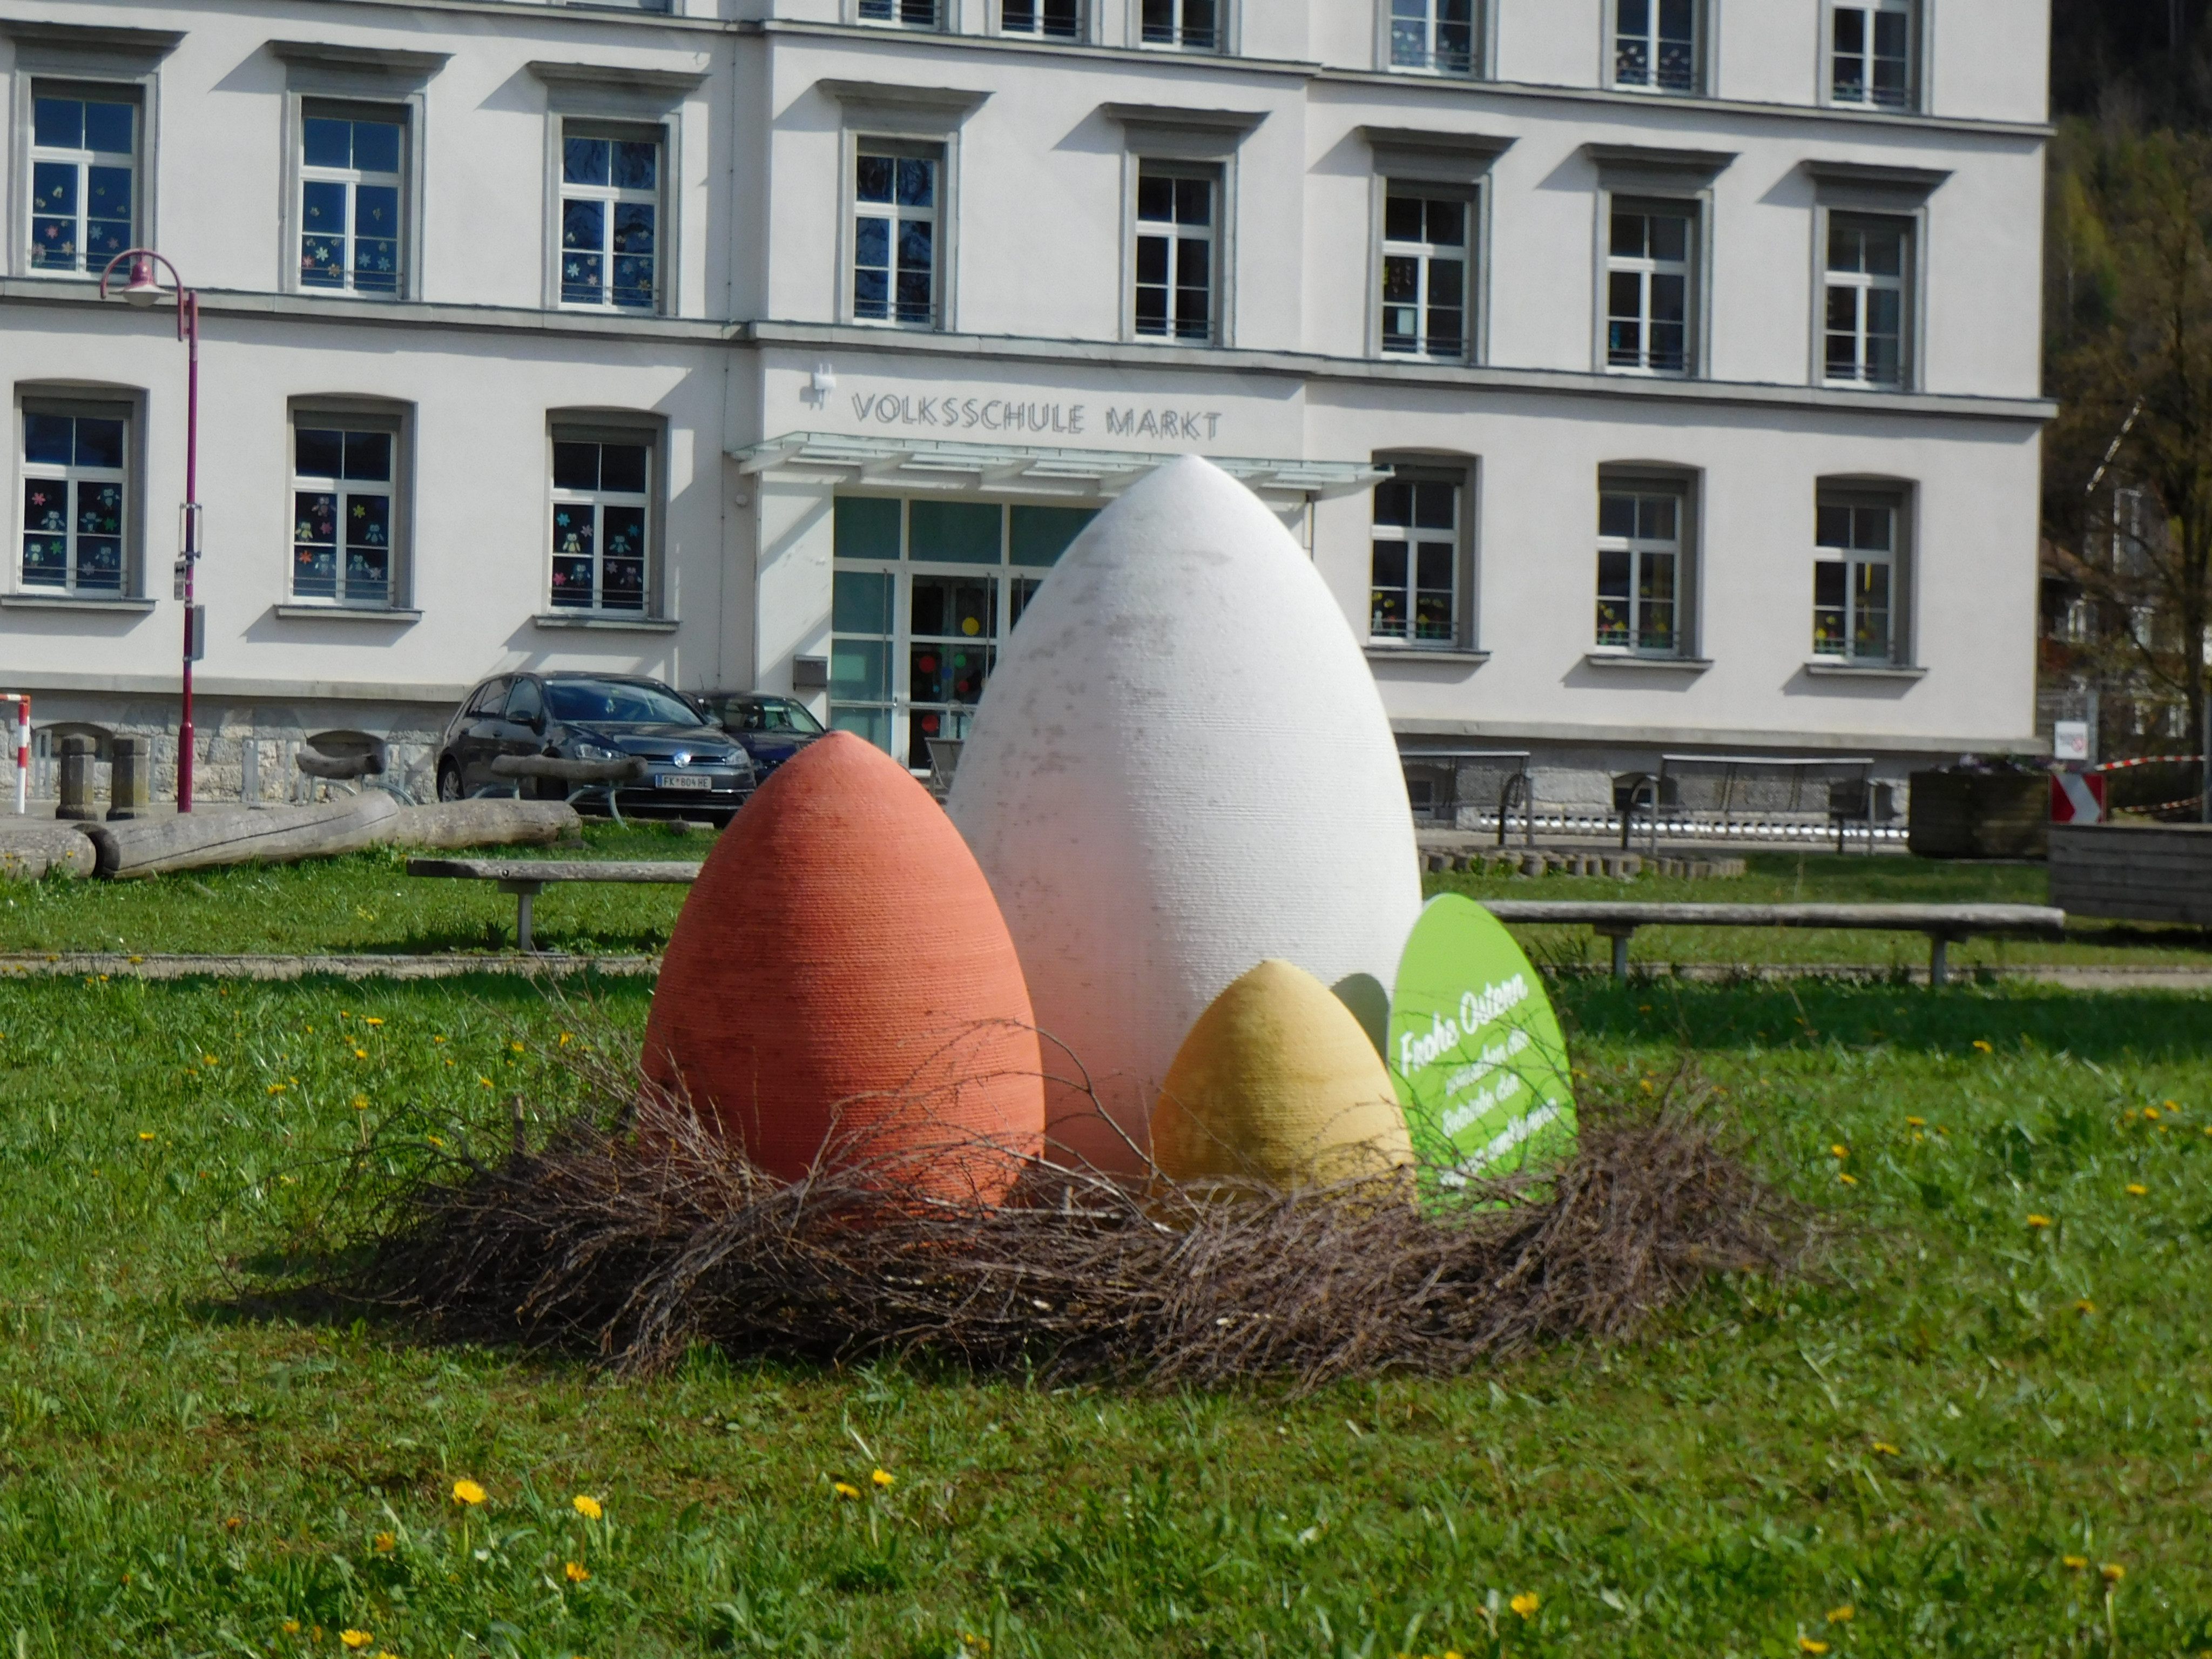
{"x": 1980, "y": 815}
{"x": 2126, "y": 873}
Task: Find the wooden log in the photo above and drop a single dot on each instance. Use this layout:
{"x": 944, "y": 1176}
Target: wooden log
{"x": 279, "y": 835}
{"x": 30, "y": 847}
{"x": 452, "y": 825}
{"x": 672, "y": 872}
{"x": 2128, "y": 873}
{"x": 631, "y": 768}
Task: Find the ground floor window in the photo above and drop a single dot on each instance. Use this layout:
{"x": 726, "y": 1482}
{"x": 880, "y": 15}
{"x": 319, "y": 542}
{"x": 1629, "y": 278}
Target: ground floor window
{"x": 343, "y": 524}
{"x": 1413, "y": 594}
{"x": 602, "y": 520}
{"x": 923, "y": 591}
{"x": 1855, "y": 579}
{"x": 75, "y": 490}
{"x": 1639, "y": 569}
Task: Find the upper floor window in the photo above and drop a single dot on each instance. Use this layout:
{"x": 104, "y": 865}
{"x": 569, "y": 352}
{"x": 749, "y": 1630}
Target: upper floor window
{"x": 1427, "y": 234}
{"x": 1867, "y": 278}
{"x": 1855, "y": 577}
{"x": 1054, "y": 20}
{"x": 610, "y": 216}
{"x": 84, "y": 161}
{"x": 1193, "y": 24}
{"x": 1648, "y": 270}
{"x": 1176, "y": 284}
{"x": 1654, "y": 44}
{"x": 1438, "y": 35}
{"x": 907, "y": 14}
{"x": 1414, "y": 593}
{"x": 342, "y": 520}
{"x": 896, "y": 221}
{"x": 74, "y": 492}
{"x": 602, "y": 519}
{"x": 1639, "y": 570}
{"x": 352, "y": 184}
{"x": 1870, "y": 59}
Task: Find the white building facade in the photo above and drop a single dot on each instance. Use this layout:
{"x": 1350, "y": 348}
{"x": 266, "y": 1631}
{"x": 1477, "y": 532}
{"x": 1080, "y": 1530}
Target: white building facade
{"x": 1643, "y": 374}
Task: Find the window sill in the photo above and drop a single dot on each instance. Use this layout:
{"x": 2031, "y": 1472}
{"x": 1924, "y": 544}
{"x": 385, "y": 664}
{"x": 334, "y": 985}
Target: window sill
{"x": 1837, "y": 668}
{"x": 73, "y": 602}
{"x": 365, "y": 613}
{"x": 1380, "y": 652}
{"x": 1892, "y": 387}
{"x": 599, "y": 621}
{"x": 1663, "y": 665}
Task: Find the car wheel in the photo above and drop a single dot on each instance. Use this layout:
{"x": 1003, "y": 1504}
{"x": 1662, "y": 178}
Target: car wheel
{"x": 449, "y": 781}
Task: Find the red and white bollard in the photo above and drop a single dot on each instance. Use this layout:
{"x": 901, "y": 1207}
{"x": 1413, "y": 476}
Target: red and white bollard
{"x": 22, "y": 701}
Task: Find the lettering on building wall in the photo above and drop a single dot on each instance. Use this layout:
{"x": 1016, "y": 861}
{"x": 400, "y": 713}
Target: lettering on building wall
{"x": 1034, "y": 418}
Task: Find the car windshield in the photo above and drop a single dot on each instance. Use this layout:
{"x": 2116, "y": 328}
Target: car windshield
{"x": 773, "y": 714}
{"x": 617, "y": 702}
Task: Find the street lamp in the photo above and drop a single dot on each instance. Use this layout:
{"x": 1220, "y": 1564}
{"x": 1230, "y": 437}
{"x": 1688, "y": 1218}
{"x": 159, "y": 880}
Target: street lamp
{"x": 145, "y": 289}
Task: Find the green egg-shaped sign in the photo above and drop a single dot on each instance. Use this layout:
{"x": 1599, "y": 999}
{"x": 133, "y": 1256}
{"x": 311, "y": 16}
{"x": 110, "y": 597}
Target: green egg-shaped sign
{"x": 1476, "y": 1051}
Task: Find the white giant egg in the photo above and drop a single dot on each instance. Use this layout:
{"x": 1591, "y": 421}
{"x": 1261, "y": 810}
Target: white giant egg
{"x": 1182, "y": 768}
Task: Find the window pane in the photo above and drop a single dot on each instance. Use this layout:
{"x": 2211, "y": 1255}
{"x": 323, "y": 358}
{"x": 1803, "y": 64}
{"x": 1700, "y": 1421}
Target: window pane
{"x": 1436, "y": 505}
{"x": 1402, "y": 217}
{"x": 99, "y": 508}
{"x": 576, "y": 467}
{"x": 326, "y": 142}
{"x": 584, "y": 161}
{"x": 867, "y": 527}
{"x": 623, "y": 528}
{"x": 861, "y": 602}
{"x": 622, "y": 468}
{"x": 1155, "y": 198}
{"x": 57, "y": 122}
{"x": 1670, "y": 237}
{"x": 1435, "y": 569}
{"x": 46, "y": 505}
{"x": 954, "y": 533}
{"x": 1628, "y": 235}
{"x": 1871, "y": 527}
{"x": 1037, "y": 536}
{"x": 1616, "y": 516}
{"x": 99, "y": 443}
{"x": 859, "y": 670}
{"x": 368, "y": 456}
{"x": 1194, "y": 203}
{"x": 1655, "y": 518}
{"x": 636, "y": 165}
{"x": 1447, "y": 222}
{"x": 1390, "y": 569}
{"x": 1394, "y": 502}
{"x": 1834, "y": 526}
{"x": 368, "y": 521}
{"x": 376, "y": 146}
{"x": 872, "y": 179}
{"x": 48, "y": 440}
{"x": 917, "y": 182}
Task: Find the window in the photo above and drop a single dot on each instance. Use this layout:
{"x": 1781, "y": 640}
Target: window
{"x": 74, "y": 488}
{"x": 1866, "y": 284}
{"x": 1426, "y": 264}
{"x": 344, "y": 524}
{"x": 1647, "y": 289}
{"x": 1871, "y": 58}
{"x": 84, "y": 158}
{"x": 1175, "y": 241}
{"x": 609, "y": 217}
{"x": 602, "y": 516}
{"x": 1438, "y": 35}
{"x": 1639, "y": 570}
{"x": 907, "y": 14}
{"x": 1194, "y": 25}
{"x": 1056, "y": 19}
{"x": 922, "y": 592}
{"x": 1654, "y": 44}
{"x": 1855, "y": 580}
{"x": 1414, "y": 598}
{"x": 895, "y": 234}
{"x": 351, "y": 235}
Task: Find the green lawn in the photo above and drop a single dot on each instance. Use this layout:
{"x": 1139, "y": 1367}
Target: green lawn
{"x": 368, "y": 904}
{"x": 1924, "y": 1435}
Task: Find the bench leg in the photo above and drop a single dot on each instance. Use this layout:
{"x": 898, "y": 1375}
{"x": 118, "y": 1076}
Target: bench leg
{"x": 1939, "y": 961}
{"x": 1620, "y": 936}
{"x": 523, "y": 902}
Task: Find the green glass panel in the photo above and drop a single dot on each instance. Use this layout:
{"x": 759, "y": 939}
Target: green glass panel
{"x": 861, "y": 602}
{"x": 956, "y": 532}
{"x": 859, "y": 670}
{"x": 873, "y": 724}
{"x": 867, "y": 527}
{"x": 1041, "y": 534}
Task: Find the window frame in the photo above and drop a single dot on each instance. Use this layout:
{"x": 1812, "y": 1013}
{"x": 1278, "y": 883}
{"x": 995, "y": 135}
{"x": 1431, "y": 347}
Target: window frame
{"x": 1222, "y": 45}
{"x": 1216, "y": 174}
{"x": 302, "y": 106}
{"x": 1899, "y": 498}
{"x": 79, "y": 402}
{"x": 1480, "y": 45}
{"x": 1462, "y": 473}
{"x": 1701, "y": 52}
{"x": 356, "y": 415}
{"x": 1916, "y": 47}
{"x": 609, "y": 426}
{"x": 1083, "y": 34}
{"x": 133, "y": 91}
{"x": 1684, "y": 487}
{"x": 1906, "y": 286}
{"x": 1473, "y": 195}
{"x": 1696, "y": 209}
{"x": 858, "y": 13}
{"x": 940, "y": 150}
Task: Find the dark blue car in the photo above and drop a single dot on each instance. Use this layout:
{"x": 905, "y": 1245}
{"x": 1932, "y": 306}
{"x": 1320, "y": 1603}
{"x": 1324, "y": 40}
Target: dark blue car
{"x": 771, "y": 729}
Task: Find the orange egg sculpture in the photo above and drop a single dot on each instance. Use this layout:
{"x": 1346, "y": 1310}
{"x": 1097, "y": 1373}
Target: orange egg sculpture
{"x": 841, "y": 990}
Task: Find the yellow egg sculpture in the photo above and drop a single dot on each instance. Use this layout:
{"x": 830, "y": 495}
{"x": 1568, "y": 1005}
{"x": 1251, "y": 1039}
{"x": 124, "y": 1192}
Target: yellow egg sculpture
{"x": 1277, "y": 1083}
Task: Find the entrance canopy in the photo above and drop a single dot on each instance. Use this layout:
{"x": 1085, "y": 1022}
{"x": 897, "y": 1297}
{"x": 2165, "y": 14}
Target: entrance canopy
{"x": 1082, "y": 474}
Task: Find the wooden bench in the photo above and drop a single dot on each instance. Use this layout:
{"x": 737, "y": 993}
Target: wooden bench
{"x": 527, "y": 878}
{"x": 1943, "y": 924}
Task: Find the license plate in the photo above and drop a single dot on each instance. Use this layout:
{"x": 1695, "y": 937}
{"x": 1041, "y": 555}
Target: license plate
{"x": 681, "y": 781}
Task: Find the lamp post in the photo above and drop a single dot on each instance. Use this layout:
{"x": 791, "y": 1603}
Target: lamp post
{"x": 145, "y": 289}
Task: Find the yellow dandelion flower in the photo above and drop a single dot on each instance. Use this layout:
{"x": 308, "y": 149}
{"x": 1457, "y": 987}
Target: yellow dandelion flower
{"x": 1885, "y": 1449}
{"x": 485, "y": 1081}
{"x": 2085, "y": 1306}
{"x": 385, "y": 1543}
{"x": 564, "y": 1039}
{"x": 2150, "y": 1113}
{"x": 516, "y": 1047}
{"x": 145, "y": 1135}
{"x": 2112, "y": 1572}
{"x": 355, "y": 1638}
{"x": 2039, "y": 1221}
{"x": 1985, "y": 1048}
{"x": 2173, "y": 1105}
{"x": 1917, "y": 1122}
{"x": 276, "y": 1088}
{"x": 360, "y": 1054}
{"x": 372, "y": 1020}
{"x": 586, "y": 1506}
{"x": 575, "y": 1572}
{"x": 291, "y": 1627}
{"x": 467, "y": 1492}
{"x": 1839, "y": 1150}
{"x": 1848, "y": 1180}
{"x": 883, "y": 1477}
{"x": 2075, "y": 1563}
{"x": 2136, "y": 1189}
{"x": 1525, "y": 1604}
{"x": 844, "y": 1489}
{"x": 1842, "y": 1615}
{"x": 1809, "y": 1644}
{"x": 360, "y": 1102}
{"x": 437, "y": 1039}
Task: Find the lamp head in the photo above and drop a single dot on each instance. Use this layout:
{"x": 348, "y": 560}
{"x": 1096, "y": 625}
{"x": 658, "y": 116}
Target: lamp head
{"x": 144, "y": 290}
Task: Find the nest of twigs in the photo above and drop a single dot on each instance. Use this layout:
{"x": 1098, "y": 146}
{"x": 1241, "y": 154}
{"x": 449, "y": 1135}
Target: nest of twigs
{"x": 633, "y": 1247}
